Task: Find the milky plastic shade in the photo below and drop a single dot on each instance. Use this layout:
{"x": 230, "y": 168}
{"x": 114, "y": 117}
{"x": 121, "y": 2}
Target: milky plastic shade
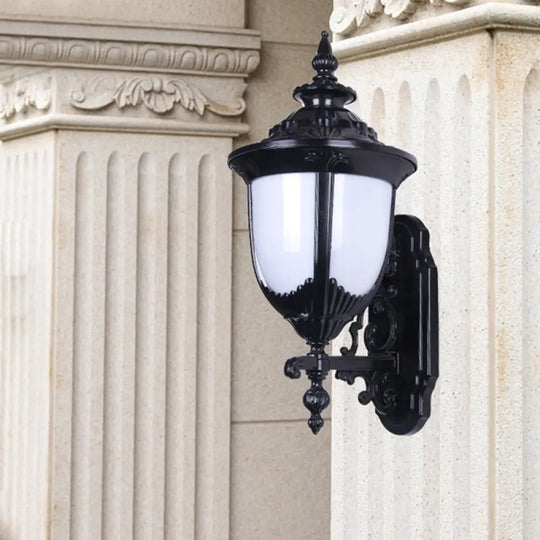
{"x": 282, "y": 212}
{"x": 360, "y": 230}
{"x": 283, "y": 219}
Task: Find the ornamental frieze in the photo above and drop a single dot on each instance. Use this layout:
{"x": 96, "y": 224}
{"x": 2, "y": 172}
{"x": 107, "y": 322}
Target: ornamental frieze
{"x": 359, "y": 13}
{"x": 116, "y": 54}
{"x": 157, "y": 94}
{"x": 24, "y": 95}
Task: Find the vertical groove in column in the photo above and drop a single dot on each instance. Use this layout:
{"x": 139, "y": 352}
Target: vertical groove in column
{"x": 4, "y": 333}
{"x": 34, "y": 479}
{"x": 406, "y": 489}
{"x": 14, "y": 323}
{"x": 206, "y": 354}
{"x": 150, "y": 352}
{"x": 181, "y": 353}
{"x": 24, "y": 281}
{"x": 82, "y": 338}
{"x": 119, "y": 382}
{"x": 88, "y": 350}
{"x": 3, "y": 383}
{"x": 44, "y": 284}
{"x": 432, "y": 174}
{"x": 23, "y": 312}
{"x": 478, "y": 317}
{"x": 461, "y": 324}
{"x": 446, "y": 314}
{"x": 380, "y": 489}
{"x": 530, "y": 303}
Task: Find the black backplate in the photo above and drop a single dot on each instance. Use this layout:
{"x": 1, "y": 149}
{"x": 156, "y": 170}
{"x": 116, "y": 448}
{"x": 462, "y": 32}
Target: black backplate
{"x": 403, "y": 322}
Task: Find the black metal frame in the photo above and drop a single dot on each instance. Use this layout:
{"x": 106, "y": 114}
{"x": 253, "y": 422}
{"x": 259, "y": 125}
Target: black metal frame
{"x": 400, "y": 370}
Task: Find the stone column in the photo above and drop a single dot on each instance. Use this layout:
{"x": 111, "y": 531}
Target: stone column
{"x": 457, "y": 84}
{"x": 116, "y": 231}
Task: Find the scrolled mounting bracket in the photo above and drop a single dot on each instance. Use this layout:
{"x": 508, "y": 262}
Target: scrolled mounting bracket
{"x": 401, "y": 338}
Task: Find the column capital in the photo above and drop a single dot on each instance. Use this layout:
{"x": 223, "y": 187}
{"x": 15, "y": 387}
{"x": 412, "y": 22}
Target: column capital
{"x": 155, "y": 80}
{"x": 455, "y": 23}
{"x": 360, "y": 18}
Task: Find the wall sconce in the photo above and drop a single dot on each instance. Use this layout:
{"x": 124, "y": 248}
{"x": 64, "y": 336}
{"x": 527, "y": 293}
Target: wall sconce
{"x": 326, "y": 246}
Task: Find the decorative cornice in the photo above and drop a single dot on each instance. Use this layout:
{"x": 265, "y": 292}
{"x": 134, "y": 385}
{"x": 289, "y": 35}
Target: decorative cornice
{"x": 491, "y": 16}
{"x": 358, "y": 14}
{"x": 25, "y": 94}
{"x": 72, "y": 122}
{"x": 137, "y": 49}
{"x": 134, "y": 79}
{"x": 158, "y": 94}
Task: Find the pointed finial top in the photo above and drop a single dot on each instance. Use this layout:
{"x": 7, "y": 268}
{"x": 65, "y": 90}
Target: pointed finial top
{"x": 324, "y": 63}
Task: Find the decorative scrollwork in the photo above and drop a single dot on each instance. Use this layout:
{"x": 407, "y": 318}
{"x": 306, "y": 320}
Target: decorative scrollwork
{"x": 380, "y": 390}
{"x": 156, "y": 93}
{"x": 354, "y": 328}
{"x": 381, "y": 332}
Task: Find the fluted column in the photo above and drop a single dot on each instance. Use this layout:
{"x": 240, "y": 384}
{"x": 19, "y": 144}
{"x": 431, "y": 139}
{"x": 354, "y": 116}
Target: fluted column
{"x": 116, "y": 230}
{"x": 461, "y": 91}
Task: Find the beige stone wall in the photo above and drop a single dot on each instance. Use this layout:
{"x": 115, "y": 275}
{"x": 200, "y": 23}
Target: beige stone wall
{"x": 141, "y": 370}
{"x": 461, "y": 92}
{"x": 219, "y": 13}
{"x": 280, "y": 483}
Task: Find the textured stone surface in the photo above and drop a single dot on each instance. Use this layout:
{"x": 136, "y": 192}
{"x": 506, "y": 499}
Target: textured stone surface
{"x": 517, "y": 375}
{"x": 289, "y": 21}
{"x": 26, "y": 221}
{"x": 281, "y": 481}
{"x": 473, "y": 470}
{"x": 225, "y": 13}
{"x": 141, "y": 394}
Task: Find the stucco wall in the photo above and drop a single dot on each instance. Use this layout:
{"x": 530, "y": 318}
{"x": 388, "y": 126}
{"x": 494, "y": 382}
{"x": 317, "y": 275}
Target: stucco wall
{"x": 143, "y": 394}
{"x": 459, "y": 90}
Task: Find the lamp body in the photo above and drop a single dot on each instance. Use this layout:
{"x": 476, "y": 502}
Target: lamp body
{"x": 321, "y": 197}
{"x": 321, "y": 192}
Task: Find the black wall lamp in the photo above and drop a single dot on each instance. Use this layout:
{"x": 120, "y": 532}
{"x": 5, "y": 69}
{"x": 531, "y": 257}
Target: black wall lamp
{"x": 326, "y": 246}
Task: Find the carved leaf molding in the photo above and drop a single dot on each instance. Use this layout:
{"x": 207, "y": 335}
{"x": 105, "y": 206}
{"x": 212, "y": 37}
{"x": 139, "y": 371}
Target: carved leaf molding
{"x": 23, "y": 95}
{"x": 359, "y": 13}
{"x": 157, "y": 94}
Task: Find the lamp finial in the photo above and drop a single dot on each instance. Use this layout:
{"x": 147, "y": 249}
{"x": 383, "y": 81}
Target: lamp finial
{"x": 324, "y": 62}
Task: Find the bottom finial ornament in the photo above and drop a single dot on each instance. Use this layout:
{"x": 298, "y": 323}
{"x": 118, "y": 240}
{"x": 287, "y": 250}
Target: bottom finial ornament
{"x": 316, "y": 399}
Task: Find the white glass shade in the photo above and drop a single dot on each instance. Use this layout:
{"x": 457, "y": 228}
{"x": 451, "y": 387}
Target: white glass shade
{"x": 360, "y": 229}
{"x": 282, "y": 208}
{"x": 283, "y": 219}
